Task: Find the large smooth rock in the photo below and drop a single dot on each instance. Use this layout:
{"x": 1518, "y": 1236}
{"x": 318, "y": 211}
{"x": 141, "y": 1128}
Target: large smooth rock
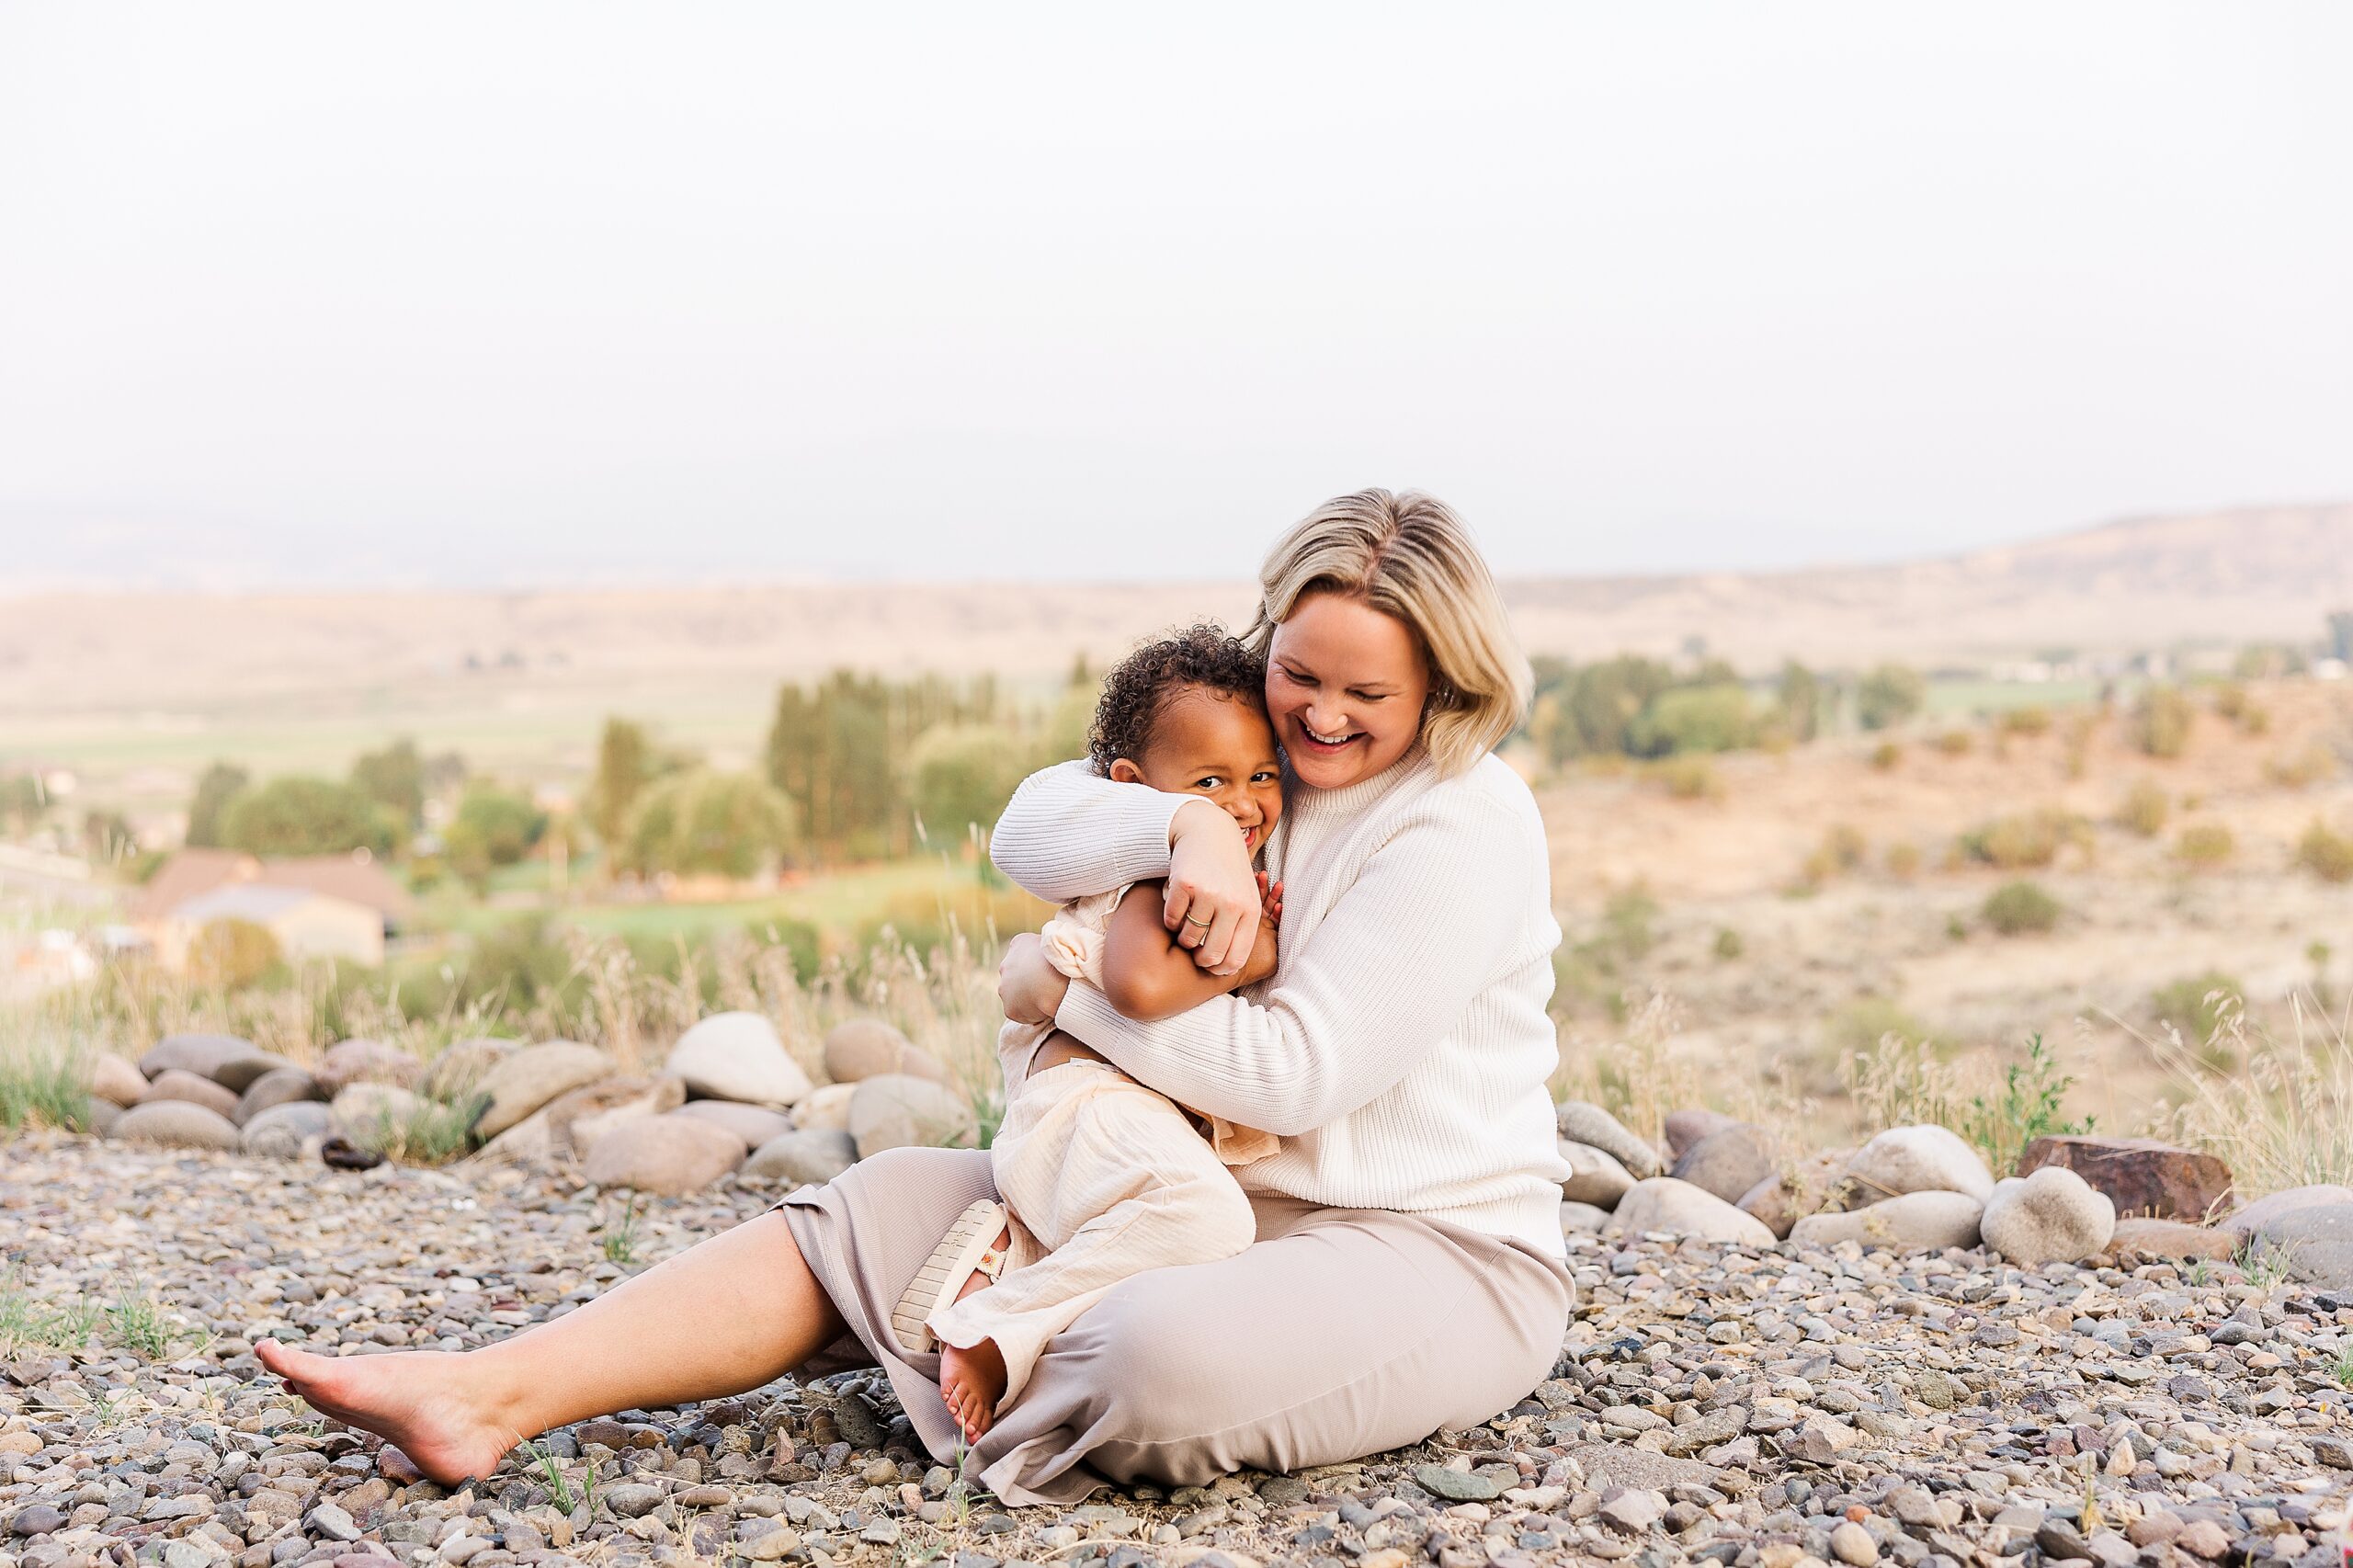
{"x": 172, "y": 1084}
{"x": 826, "y": 1109}
{"x": 1783, "y": 1199}
{"x": 291, "y": 1130}
{"x": 528, "y": 1142}
{"x": 2173, "y": 1238}
{"x": 1687, "y": 1128}
{"x": 1680, "y": 1209}
{"x": 737, "y": 1056}
{"x": 241, "y": 1072}
{"x": 531, "y": 1077}
{"x": 669, "y": 1154}
{"x": 285, "y": 1085}
{"x": 1727, "y": 1162}
{"x": 808, "y": 1158}
{"x": 453, "y": 1072}
{"x": 2053, "y": 1216}
{"x": 367, "y": 1111}
{"x": 1915, "y": 1159}
{"x": 1583, "y": 1122}
{"x": 2287, "y": 1200}
{"x": 2140, "y": 1176}
{"x": 860, "y": 1048}
{"x": 203, "y": 1054}
{"x": 100, "y": 1116}
{"x": 365, "y": 1061}
{"x": 1916, "y": 1221}
{"x": 753, "y": 1124}
{"x": 175, "y": 1124}
{"x": 1594, "y": 1178}
{"x": 1581, "y": 1219}
{"x": 115, "y": 1081}
{"x": 579, "y": 1116}
{"x": 2315, "y": 1241}
{"x": 896, "y": 1111}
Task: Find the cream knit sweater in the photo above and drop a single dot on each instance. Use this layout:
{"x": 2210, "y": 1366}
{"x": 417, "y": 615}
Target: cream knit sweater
{"x": 1402, "y": 1048}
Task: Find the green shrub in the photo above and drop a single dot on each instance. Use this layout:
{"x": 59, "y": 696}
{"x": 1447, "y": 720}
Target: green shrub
{"x": 2204, "y": 843}
{"x": 2021, "y": 843}
{"x": 41, "y": 1087}
{"x": 1954, "y": 743}
{"x": 2196, "y": 1004}
{"x": 2161, "y": 720}
{"x": 1841, "y": 850}
{"x": 1857, "y": 1027}
{"x": 1688, "y": 778}
{"x": 1903, "y": 860}
{"x": 2313, "y": 764}
{"x": 2024, "y": 1106}
{"x": 2325, "y": 853}
{"x": 2016, "y": 908}
{"x": 1888, "y": 696}
{"x": 963, "y": 775}
{"x": 2144, "y": 810}
{"x": 706, "y": 823}
{"x": 2031, "y": 720}
{"x": 493, "y": 827}
{"x": 1728, "y": 945}
{"x": 1885, "y": 755}
{"x": 297, "y": 815}
{"x": 1694, "y": 719}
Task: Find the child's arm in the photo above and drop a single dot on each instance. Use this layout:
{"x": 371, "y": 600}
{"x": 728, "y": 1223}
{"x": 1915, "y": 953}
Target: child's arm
{"x": 1146, "y": 976}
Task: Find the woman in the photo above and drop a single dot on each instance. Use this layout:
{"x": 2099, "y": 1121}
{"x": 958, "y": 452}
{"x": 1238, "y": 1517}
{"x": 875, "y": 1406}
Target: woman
{"x": 1408, "y": 1273}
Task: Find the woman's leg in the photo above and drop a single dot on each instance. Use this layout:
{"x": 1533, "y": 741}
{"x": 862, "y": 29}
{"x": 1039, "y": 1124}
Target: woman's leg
{"x": 733, "y": 1312}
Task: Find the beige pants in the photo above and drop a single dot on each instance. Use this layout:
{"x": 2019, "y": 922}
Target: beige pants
{"x": 1338, "y": 1333}
{"x": 1106, "y": 1180}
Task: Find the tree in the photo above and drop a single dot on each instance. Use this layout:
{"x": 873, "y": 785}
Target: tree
{"x": 394, "y": 779}
{"x": 1800, "y": 695}
{"x": 963, "y": 774}
{"x": 1888, "y": 696}
{"x": 624, "y": 765}
{"x": 297, "y": 815}
{"x": 493, "y": 827}
{"x": 728, "y": 824}
{"x": 220, "y": 784}
{"x": 841, "y": 749}
{"x": 1693, "y": 719}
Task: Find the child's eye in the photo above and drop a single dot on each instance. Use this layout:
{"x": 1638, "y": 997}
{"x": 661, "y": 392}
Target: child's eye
{"x": 1209, "y": 783}
{"x": 1262, "y": 777}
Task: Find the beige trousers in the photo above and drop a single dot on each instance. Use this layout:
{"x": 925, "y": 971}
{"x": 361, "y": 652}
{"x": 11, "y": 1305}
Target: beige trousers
{"x": 1338, "y": 1333}
{"x": 1106, "y": 1180}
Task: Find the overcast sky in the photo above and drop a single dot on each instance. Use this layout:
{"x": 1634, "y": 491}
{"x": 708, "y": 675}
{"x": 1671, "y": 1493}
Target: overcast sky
{"x": 512, "y": 293}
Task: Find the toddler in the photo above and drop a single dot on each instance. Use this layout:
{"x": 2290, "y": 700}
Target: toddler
{"x": 1104, "y": 1177}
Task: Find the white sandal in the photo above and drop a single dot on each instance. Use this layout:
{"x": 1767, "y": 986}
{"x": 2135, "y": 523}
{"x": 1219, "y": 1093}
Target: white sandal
{"x": 969, "y": 1248}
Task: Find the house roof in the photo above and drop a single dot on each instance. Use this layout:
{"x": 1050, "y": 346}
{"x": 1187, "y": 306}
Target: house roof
{"x": 192, "y": 873}
{"x": 257, "y": 901}
{"x": 188, "y": 873}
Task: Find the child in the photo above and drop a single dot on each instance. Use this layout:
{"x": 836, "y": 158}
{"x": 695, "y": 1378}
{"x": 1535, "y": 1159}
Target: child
{"x": 1104, "y": 1177}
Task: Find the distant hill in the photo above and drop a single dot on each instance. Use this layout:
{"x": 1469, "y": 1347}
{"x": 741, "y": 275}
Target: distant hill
{"x": 2230, "y": 576}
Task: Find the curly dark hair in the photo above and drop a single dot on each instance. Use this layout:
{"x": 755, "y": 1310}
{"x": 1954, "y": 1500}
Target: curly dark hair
{"x": 1137, "y": 691}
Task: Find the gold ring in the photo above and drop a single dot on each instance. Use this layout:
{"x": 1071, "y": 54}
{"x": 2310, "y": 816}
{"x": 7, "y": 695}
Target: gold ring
{"x": 1204, "y": 925}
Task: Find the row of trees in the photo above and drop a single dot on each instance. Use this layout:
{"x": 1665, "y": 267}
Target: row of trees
{"x": 1631, "y": 705}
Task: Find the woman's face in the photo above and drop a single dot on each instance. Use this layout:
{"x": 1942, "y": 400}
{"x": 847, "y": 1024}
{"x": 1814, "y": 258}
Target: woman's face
{"x": 1344, "y": 688}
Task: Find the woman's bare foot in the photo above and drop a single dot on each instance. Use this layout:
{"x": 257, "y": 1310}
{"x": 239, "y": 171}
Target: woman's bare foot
{"x": 420, "y": 1401}
{"x": 973, "y": 1381}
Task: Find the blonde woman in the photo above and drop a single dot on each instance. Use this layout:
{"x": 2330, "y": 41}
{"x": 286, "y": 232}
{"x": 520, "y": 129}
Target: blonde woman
{"x": 1408, "y": 1272}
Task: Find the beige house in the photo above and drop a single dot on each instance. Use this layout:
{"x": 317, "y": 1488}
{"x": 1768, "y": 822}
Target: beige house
{"x": 307, "y": 925}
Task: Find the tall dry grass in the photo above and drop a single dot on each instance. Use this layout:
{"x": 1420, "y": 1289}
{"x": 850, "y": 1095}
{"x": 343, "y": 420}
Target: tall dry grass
{"x": 2281, "y": 1114}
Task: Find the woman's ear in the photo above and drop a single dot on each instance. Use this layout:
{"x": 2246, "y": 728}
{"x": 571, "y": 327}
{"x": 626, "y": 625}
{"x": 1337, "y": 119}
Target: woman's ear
{"x": 1125, "y": 772}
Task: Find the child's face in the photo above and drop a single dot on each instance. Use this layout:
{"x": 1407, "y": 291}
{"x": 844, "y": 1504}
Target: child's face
{"x": 1206, "y": 743}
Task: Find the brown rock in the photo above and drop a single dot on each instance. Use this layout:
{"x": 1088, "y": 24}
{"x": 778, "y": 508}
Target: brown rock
{"x": 365, "y": 1061}
{"x": 1684, "y": 1129}
{"x": 286, "y": 1086}
{"x": 860, "y": 1048}
{"x": 1729, "y": 1162}
{"x": 2172, "y": 1238}
{"x": 2142, "y": 1176}
{"x": 671, "y": 1154}
{"x": 115, "y": 1081}
{"x": 576, "y": 1117}
{"x": 172, "y": 1084}
{"x": 1786, "y": 1196}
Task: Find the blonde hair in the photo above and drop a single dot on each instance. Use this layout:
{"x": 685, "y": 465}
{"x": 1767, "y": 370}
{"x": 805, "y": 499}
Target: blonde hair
{"x": 1410, "y": 557}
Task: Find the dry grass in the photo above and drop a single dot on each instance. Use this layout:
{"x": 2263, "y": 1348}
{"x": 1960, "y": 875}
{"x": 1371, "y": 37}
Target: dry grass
{"x": 2283, "y": 1117}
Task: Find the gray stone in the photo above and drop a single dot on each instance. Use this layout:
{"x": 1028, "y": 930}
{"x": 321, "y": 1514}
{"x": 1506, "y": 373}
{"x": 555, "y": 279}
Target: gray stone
{"x": 631, "y": 1499}
{"x": 803, "y": 1158}
{"x": 1633, "y": 1510}
{"x": 532, "y": 1076}
{"x": 1677, "y": 1208}
{"x": 753, "y": 1124}
{"x": 896, "y": 1111}
{"x": 1917, "y": 1221}
{"x": 39, "y": 1519}
{"x": 1917, "y": 1159}
{"x": 2263, "y": 1210}
{"x": 329, "y": 1520}
{"x": 2315, "y": 1241}
{"x": 1456, "y": 1485}
{"x": 1727, "y": 1162}
{"x": 282, "y": 1086}
{"x": 2053, "y": 1216}
{"x": 203, "y": 1054}
{"x": 1687, "y": 1129}
{"x": 738, "y": 1056}
{"x": 1594, "y": 1178}
{"x": 1853, "y": 1545}
{"x": 113, "y": 1080}
{"x": 672, "y": 1154}
{"x": 860, "y": 1048}
{"x": 350, "y": 1061}
{"x": 175, "y": 1124}
{"x": 288, "y": 1131}
{"x": 1587, "y": 1123}
{"x": 239, "y": 1073}
{"x": 1583, "y": 1218}
{"x": 173, "y": 1084}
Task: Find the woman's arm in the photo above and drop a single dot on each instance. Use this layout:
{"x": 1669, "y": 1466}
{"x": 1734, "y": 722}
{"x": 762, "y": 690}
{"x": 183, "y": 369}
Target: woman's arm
{"x": 1430, "y": 920}
{"x": 1147, "y": 976}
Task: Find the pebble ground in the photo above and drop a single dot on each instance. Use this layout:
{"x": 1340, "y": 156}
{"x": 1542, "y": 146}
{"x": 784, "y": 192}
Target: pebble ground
{"x": 1773, "y": 1408}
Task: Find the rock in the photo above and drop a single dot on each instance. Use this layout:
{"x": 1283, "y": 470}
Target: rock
{"x": 100, "y": 1116}
{"x": 1852, "y": 1544}
{"x": 2203, "y": 1537}
{"x": 670, "y": 1155}
{"x": 1632, "y": 1510}
{"x": 1780, "y": 1201}
{"x": 1677, "y": 1208}
{"x": 455, "y": 1072}
{"x": 860, "y": 1048}
{"x": 2140, "y": 1176}
{"x": 1582, "y": 1122}
{"x": 577, "y": 1118}
{"x": 365, "y": 1061}
{"x": 1594, "y": 1178}
{"x": 203, "y": 1054}
{"x": 288, "y": 1131}
{"x": 175, "y": 1124}
{"x": 1687, "y": 1129}
{"x": 809, "y": 1156}
{"x": 1456, "y": 1485}
{"x": 241, "y": 1072}
{"x": 530, "y": 1142}
{"x": 38, "y": 1519}
{"x": 2260, "y": 1212}
{"x": 115, "y": 1081}
{"x": 369, "y": 1112}
{"x": 631, "y": 1499}
{"x": 896, "y": 1111}
{"x": 2173, "y": 1238}
{"x": 2053, "y": 1216}
{"x": 737, "y": 1056}
{"x": 1916, "y": 1221}
{"x": 826, "y": 1110}
{"x": 172, "y": 1084}
{"x": 532, "y": 1076}
{"x": 2316, "y": 1243}
{"x": 282, "y": 1086}
{"x": 330, "y": 1521}
{"x": 1581, "y": 1219}
{"x": 753, "y": 1124}
{"x": 1915, "y": 1159}
{"x": 1727, "y": 1162}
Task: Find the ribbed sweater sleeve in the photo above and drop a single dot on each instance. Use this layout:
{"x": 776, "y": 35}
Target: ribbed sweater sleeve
{"x": 1069, "y": 832}
{"x": 1427, "y": 925}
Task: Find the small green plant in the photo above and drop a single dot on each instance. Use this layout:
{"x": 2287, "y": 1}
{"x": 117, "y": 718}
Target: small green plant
{"x": 619, "y": 1238}
{"x": 2031, "y": 720}
{"x": 42, "y": 1087}
{"x": 2204, "y": 845}
{"x": 424, "y": 1132}
{"x": 137, "y": 1322}
{"x": 2161, "y": 720}
{"x": 1953, "y": 743}
{"x": 2267, "y": 1267}
{"x": 2025, "y": 1105}
{"x": 2343, "y": 1369}
{"x": 2200, "y": 1273}
{"x": 2017, "y": 908}
{"x": 2024, "y": 842}
{"x": 1728, "y": 944}
{"x": 553, "y": 1481}
{"x": 1690, "y": 776}
{"x": 25, "y": 1320}
{"x": 2144, "y": 810}
{"x": 1885, "y": 755}
{"x": 2325, "y": 853}
{"x": 1841, "y": 850}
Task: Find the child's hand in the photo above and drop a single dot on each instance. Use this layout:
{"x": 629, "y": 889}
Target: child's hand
{"x": 1266, "y": 951}
{"x": 1270, "y": 901}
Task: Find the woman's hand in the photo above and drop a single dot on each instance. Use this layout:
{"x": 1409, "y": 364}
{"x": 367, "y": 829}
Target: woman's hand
{"x": 1027, "y": 985}
{"x": 1210, "y": 900}
{"x": 1265, "y": 957}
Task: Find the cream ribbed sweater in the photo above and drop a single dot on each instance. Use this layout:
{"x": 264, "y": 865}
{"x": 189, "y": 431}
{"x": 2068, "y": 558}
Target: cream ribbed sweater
{"x": 1402, "y": 1049}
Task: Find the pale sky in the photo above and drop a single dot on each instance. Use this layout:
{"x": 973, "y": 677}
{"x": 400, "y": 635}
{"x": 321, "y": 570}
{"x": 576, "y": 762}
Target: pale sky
{"x": 502, "y": 294}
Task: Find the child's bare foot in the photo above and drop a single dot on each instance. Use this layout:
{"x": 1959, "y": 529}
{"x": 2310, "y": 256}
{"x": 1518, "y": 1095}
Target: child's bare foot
{"x": 972, "y": 1381}
{"x": 420, "y": 1401}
